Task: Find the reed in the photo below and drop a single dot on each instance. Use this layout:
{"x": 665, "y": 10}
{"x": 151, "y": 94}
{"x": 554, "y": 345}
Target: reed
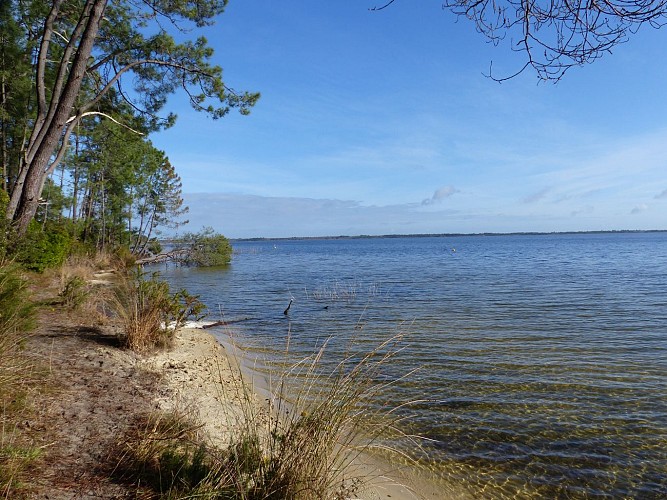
{"x": 347, "y": 291}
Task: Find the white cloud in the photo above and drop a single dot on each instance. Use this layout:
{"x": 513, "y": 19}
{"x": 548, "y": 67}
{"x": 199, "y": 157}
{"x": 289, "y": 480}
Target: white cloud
{"x": 441, "y": 194}
{"x": 661, "y": 196}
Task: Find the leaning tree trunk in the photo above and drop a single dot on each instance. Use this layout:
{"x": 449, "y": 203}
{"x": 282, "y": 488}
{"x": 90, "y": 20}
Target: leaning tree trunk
{"x": 50, "y": 135}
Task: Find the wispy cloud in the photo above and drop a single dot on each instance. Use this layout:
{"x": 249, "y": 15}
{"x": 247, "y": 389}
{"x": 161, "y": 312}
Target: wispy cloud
{"x": 240, "y": 215}
{"x": 441, "y": 194}
{"x": 661, "y": 196}
{"x": 639, "y": 208}
{"x": 588, "y": 209}
{"x": 535, "y": 197}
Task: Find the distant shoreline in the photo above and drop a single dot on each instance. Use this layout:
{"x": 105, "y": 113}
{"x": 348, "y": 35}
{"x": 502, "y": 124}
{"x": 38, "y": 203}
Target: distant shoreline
{"x": 447, "y": 235}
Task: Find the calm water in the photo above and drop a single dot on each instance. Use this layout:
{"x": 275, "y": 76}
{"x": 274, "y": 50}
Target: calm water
{"x": 544, "y": 358}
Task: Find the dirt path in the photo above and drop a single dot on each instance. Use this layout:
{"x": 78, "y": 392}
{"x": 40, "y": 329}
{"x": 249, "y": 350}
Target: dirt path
{"x": 95, "y": 391}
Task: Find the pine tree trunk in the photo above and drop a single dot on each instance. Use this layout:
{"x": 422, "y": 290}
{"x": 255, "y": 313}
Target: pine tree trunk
{"x": 45, "y": 142}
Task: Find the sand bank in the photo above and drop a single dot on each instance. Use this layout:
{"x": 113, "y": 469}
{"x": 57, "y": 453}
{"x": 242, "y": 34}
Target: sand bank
{"x": 208, "y": 380}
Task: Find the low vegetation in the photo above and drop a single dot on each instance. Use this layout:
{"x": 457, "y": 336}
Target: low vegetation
{"x": 319, "y": 424}
{"x": 206, "y": 248}
{"x": 17, "y": 318}
{"x": 149, "y": 312}
{"x": 303, "y": 445}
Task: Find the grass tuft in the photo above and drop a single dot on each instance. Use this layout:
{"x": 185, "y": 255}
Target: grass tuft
{"x": 306, "y": 445}
{"x": 149, "y": 312}
{"x": 142, "y": 305}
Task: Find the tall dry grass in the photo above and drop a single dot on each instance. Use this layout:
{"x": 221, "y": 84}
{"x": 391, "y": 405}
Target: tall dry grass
{"x": 307, "y": 444}
{"x": 142, "y": 304}
{"x": 149, "y": 312}
{"x": 17, "y": 318}
{"x": 324, "y": 419}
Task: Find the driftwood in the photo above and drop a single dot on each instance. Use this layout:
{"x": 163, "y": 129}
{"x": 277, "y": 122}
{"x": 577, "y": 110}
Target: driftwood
{"x": 223, "y": 323}
{"x": 173, "y": 256}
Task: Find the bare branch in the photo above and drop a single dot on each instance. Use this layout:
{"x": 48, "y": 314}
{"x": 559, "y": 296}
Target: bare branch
{"x": 556, "y": 35}
{"x": 99, "y": 113}
{"x": 384, "y": 6}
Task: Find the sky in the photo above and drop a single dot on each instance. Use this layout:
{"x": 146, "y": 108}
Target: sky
{"x": 385, "y": 123}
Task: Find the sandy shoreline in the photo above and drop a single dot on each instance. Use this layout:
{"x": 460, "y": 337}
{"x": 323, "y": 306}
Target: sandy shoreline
{"x": 205, "y": 379}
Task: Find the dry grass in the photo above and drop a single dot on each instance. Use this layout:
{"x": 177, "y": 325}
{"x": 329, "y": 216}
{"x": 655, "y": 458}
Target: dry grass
{"x": 305, "y": 446}
{"x": 80, "y": 289}
{"x": 143, "y": 306}
{"x": 162, "y": 455}
{"x": 348, "y": 291}
{"x": 325, "y": 419}
{"x": 17, "y": 375}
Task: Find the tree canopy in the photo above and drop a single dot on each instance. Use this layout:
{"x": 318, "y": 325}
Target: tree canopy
{"x": 79, "y": 60}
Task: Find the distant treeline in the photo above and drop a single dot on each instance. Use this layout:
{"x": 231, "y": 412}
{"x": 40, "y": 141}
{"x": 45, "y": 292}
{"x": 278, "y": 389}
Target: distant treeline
{"x": 437, "y": 235}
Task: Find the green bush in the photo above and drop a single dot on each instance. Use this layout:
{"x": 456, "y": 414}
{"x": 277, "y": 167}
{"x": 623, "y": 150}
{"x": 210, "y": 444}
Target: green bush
{"x": 16, "y": 311}
{"x": 75, "y": 292}
{"x": 206, "y": 248}
{"x": 43, "y": 248}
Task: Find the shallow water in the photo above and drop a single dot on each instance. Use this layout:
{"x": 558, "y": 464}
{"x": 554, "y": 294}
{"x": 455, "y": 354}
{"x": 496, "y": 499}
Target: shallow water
{"x": 543, "y": 358}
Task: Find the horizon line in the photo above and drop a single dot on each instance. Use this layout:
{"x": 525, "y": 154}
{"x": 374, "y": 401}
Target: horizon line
{"x": 445, "y": 235}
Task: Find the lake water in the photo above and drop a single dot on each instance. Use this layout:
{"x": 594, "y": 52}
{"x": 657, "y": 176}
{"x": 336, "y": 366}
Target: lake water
{"x": 543, "y": 358}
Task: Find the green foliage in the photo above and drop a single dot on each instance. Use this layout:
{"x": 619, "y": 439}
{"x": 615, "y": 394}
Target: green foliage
{"x": 105, "y": 52}
{"x": 16, "y": 309}
{"x": 123, "y": 258}
{"x": 206, "y": 248}
{"x": 4, "y": 225}
{"x": 17, "y": 85}
{"x": 75, "y": 292}
{"x": 124, "y": 190}
{"x": 44, "y": 247}
{"x": 55, "y": 203}
{"x": 15, "y": 460}
{"x": 154, "y": 246}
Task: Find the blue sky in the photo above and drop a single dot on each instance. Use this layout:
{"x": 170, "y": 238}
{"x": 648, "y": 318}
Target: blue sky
{"x": 383, "y": 122}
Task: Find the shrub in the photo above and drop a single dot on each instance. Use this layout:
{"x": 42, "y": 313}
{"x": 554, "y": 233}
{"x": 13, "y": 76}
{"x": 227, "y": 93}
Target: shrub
{"x": 206, "y": 248}
{"x": 75, "y": 292}
{"x": 123, "y": 257}
{"x": 42, "y": 248}
{"x": 150, "y": 312}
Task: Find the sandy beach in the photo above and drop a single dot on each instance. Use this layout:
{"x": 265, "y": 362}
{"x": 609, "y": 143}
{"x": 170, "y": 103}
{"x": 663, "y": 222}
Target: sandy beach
{"x": 204, "y": 378}
{"x": 99, "y": 392}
